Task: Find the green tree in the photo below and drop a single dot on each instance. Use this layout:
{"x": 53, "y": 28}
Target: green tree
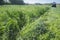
{"x": 1, "y": 2}
{"x": 17, "y": 1}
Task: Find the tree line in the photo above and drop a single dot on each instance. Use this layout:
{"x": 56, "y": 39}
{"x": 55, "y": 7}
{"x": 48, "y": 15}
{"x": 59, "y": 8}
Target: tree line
{"x": 11, "y": 2}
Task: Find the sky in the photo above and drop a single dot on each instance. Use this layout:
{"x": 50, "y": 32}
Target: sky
{"x": 41, "y": 1}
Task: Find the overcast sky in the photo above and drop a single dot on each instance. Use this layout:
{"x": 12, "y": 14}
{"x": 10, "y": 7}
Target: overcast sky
{"x": 41, "y": 1}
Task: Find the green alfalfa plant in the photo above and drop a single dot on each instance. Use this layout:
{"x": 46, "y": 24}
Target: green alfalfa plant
{"x": 2, "y": 31}
{"x": 19, "y": 16}
{"x": 12, "y": 30}
{"x": 22, "y": 19}
{"x": 33, "y": 30}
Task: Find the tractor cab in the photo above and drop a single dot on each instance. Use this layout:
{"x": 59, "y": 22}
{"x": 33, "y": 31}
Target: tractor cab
{"x": 54, "y": 4}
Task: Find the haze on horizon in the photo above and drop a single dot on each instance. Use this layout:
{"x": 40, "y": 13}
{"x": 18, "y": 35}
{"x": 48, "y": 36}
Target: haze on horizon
{"x": 41, "y": 1}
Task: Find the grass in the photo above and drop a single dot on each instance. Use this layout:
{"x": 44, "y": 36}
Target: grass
{"x": 29, "y": 22}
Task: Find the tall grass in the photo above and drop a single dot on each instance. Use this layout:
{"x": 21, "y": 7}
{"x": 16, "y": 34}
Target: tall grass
{"x": 46, "y": 27}
{"x": 14, "y": 19}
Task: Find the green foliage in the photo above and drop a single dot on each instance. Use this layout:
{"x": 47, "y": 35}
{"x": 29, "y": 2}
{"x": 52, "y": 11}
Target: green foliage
{"x": 44, "y": 28}
{"x": 1, "y": 2}
{"x": 29, "y": 22}
{"x": 17, "y": 2}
